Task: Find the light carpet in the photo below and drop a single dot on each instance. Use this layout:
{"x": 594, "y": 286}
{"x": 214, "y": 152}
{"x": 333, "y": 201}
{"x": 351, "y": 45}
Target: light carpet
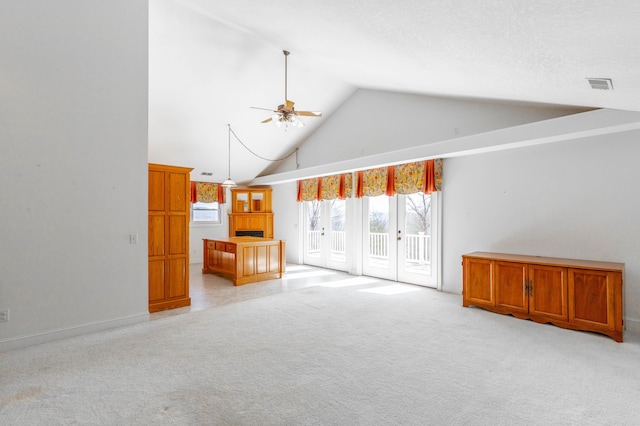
{"x": 328, "y": 355}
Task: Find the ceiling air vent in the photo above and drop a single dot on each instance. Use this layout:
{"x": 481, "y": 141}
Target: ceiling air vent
{"x": 206, "y": 174}
{"x": 601, "y": 83}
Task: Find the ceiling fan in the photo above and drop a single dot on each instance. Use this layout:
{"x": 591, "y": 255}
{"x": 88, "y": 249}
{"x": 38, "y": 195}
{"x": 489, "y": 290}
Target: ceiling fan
{"x": 285, "y": 115}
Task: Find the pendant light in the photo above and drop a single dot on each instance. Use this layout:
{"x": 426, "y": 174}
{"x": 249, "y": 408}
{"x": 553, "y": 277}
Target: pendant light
{"x": 229, "y": 182}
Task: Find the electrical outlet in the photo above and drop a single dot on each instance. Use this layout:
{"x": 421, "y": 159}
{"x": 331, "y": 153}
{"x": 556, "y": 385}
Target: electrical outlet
{"x": 4, "y": 315}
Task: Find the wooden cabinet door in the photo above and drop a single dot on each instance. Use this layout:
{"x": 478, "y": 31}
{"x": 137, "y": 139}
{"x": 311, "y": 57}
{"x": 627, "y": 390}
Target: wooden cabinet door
{"x": 477, "y": 282}
{"x": 240, "y": 201}
{"x": 168, "y": 244}
{"x": 548, "y": 292}
{"x": 596, "y": 298}
{"x": 258, "y": 202}
{"x": 250, "y": 222}
{"x": 511, "y": 286}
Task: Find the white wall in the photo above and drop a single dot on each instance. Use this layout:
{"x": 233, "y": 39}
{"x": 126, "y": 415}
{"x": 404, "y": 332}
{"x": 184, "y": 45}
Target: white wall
{"x": 372, "y": 122}
{"x": 574, "y": 199}
{"x": 287, "y": 219}
{"x": 73, "y": 169}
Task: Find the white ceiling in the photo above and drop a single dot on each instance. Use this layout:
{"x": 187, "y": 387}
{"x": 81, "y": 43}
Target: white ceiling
{"x": 211, "y": 60}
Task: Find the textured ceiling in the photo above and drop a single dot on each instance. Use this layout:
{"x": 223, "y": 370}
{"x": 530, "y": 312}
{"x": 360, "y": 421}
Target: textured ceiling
{"x": 211, "y": 60}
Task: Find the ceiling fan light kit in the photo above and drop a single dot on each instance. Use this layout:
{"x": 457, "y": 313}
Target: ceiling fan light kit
{"x": 285, "y": 115}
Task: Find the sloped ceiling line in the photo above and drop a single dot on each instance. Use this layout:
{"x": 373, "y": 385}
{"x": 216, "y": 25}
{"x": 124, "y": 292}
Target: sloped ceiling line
{"x": 571, "y": 127}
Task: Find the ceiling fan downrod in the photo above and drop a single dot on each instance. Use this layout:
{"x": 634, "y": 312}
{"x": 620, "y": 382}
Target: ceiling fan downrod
{"x": 286, "y": 53}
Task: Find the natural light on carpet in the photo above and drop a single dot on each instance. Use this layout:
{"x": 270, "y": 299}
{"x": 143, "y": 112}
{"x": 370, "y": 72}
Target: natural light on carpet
{"x": 309, "y": 274}
{"x": 389, "y": 290}
{"x": 350, "y": 282}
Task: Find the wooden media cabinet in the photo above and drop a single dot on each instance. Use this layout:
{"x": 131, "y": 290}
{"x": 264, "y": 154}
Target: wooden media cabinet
{"x": 576, "y": 294}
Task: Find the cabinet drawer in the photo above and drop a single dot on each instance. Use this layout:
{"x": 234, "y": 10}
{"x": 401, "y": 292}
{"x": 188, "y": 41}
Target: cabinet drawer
{"x": 219, "y": 246}
{"x": 211, "y": 245}
{"x": 230, "y": 248}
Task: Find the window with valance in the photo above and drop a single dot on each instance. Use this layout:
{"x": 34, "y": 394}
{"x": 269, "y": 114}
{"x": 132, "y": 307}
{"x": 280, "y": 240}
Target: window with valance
{"x": 207, "y": 192}
{"x": 206, "y": 199}
{"x": 408, "y": 178}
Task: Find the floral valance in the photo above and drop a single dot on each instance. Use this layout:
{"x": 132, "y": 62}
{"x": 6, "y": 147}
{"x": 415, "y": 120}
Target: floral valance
{"x": 374, "y": 182}
{"x": 308, "y": 189}
{"x": 408, "y": 178}
{"x": 207, "y": 192}
{"x": 326, "y": 187}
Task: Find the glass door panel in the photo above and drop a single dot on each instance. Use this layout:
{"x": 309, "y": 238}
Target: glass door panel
{"x": 313, "y": 233}
{"x": 398, "y": 243}
{"x": 337, "y": 256}
{"x": 415, "y": 248}
{"x": 325, "y": 239}
{"x": 379, "y": 233}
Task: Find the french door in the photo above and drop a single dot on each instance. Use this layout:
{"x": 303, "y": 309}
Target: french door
{"x": 325, "y": 240}
{"x": 400, "y": 238}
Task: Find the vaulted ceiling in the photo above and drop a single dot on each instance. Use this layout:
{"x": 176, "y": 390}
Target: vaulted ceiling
{"x": 210, "y": 61}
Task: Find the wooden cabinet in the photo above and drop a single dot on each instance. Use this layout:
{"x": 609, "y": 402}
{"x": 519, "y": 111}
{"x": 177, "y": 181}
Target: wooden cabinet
{"x": 478, "y": 290}
{"x": 246, "y": 259}
{"x": 513, "y": 283}
{"x": 251, "y": 213}
{"x": 168, "y": 237}
{"x": 251, "y": 224}
{"x": 576, "y": 294}
{"x": 251, "y": 200}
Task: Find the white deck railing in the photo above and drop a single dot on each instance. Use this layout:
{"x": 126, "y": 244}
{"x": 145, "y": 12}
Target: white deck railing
{"x": 379, "y": 245}
{"x": 313, "y": 241}
{"x": 417, "y": 247}
{"x": 338, "y": 242}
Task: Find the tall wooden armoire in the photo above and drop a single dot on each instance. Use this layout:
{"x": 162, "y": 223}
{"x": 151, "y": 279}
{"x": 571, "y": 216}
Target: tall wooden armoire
{"x": 169, "y": 198}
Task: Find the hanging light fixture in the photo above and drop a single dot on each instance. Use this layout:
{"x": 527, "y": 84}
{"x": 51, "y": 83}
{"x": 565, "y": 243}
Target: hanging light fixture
{"x": 229, "y": 182}
{"x": 285, "y": 115}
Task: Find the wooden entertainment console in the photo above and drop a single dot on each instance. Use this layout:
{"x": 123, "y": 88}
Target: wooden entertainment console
{"x": 575, "y": 294}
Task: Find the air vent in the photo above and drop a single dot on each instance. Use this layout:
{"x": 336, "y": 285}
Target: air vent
{"x": 206, "y": 174}
{"x": 601, "y": 83}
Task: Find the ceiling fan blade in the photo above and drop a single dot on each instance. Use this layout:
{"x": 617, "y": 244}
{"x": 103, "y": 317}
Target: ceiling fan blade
{"x": 310, "y": 113}
{"x": 266, "y": 109}
{"x": 267, "y": 120}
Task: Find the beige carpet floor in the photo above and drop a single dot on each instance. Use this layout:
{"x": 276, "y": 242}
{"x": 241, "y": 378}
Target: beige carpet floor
{"x": 352, "y": 351}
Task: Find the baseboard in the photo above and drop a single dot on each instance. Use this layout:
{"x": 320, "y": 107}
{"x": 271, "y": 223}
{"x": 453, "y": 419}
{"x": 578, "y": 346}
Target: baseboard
{"x": 632, "y": 325}
{"x": 64, "y": 333}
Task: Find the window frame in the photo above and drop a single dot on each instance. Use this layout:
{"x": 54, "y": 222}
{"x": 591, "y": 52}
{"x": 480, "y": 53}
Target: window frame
{"x": 220, "y": 210}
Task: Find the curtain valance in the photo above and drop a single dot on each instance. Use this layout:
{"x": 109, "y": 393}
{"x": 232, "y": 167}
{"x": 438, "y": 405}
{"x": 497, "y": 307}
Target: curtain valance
{"x": 374, "y": 182}
{"x": 326, "y": 188}
{"x": 408, "y": 178}
{"x": 207, "y": 192}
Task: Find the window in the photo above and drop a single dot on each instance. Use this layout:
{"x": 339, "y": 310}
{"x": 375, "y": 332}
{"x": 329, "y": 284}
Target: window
{"x": 205, "y": 213}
